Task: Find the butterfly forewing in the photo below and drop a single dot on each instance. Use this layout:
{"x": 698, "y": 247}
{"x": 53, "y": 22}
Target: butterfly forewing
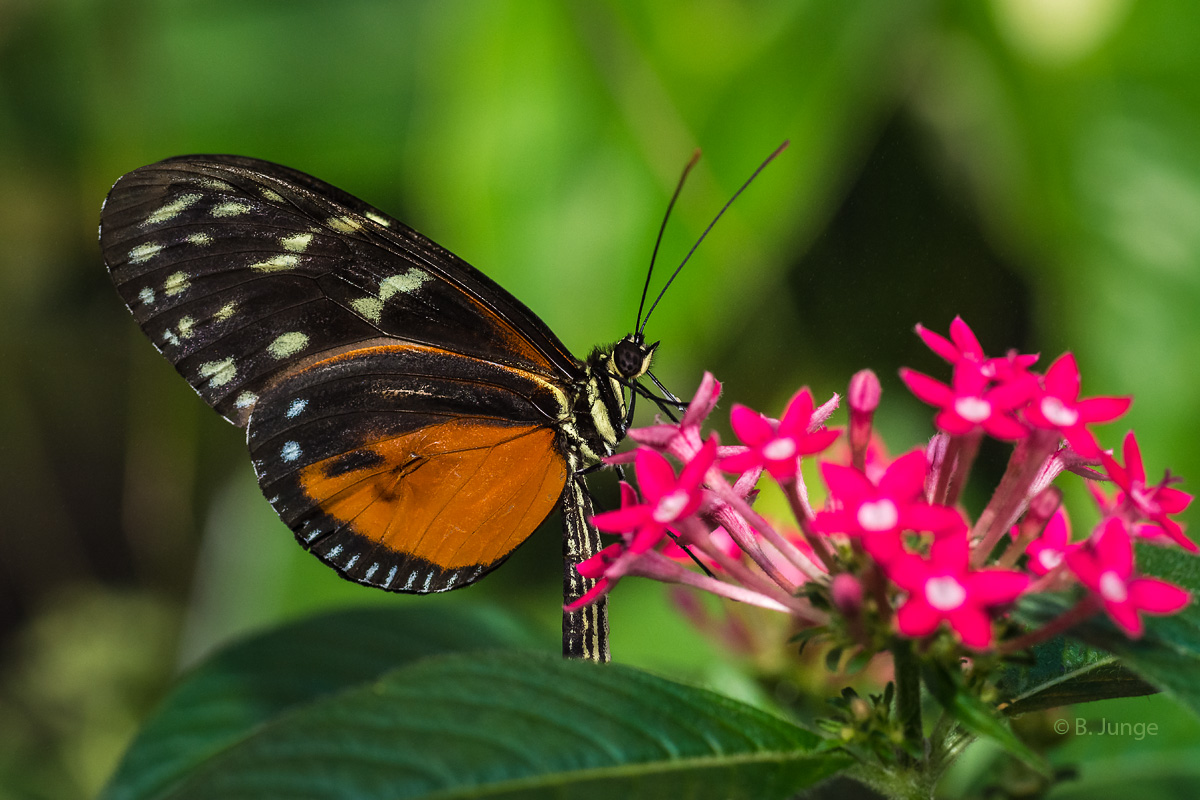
{"x": 405, "y": 414}
{"x": 237, "y": 268}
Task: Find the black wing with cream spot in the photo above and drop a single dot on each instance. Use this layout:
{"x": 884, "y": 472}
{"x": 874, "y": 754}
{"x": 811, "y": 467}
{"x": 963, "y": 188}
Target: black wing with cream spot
{"x": 242, "y": 272}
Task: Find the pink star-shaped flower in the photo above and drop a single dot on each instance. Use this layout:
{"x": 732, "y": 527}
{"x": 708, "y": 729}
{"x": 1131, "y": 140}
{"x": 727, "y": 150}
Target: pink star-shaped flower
{"x": 1141, "y": 501}
{"x": 1057, "y": 407}
{"x": 1104, "y": 564}
{"x": 878, "y": 513}
{"x": 667, "y": 498}
{"x": 942, "y": 587}
{"x": 777, "y": 447}
{"x": 972, "y": 404}
{"x": 1048, "y": 550}
{"x": 963, "y": 346}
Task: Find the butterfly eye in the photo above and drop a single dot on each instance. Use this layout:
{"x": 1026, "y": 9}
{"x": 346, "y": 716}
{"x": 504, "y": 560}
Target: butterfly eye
{"x": 631, "y": 359}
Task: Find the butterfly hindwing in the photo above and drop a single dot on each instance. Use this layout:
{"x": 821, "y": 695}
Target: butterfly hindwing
{"x": 240, "y": 269}
{"x": 409, "y": 468}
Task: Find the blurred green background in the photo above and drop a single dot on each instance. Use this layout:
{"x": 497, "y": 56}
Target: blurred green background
{"x": 1033, "y": 165}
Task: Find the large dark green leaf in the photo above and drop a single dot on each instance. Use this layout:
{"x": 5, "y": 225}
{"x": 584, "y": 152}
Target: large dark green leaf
{"x": 1066, "y": 671}
{"x": 255, "y": 680}
{"x": 514, "y": 724}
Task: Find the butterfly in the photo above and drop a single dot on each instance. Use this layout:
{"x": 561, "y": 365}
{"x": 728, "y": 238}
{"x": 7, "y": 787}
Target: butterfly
{"x": 410, "y": 420}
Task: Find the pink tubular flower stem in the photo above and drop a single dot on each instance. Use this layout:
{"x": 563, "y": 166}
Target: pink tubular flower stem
{"x": 653, "y": 564}
{"x": 793, "y": 554}
{"x": 797, "y": 496}
{"x": 743, "y": 535}
{"x": 1041, "y": 509}
{"x": 743, "y": 595}
{"x": 954, "y": 468}
{"x": 696, "y": 536}
{"x": 1011, "y": 495}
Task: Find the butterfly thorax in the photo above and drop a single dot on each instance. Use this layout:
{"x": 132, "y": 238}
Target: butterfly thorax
{"x": 598, "y": 420}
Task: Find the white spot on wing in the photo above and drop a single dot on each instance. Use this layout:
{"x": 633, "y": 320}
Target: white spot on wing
{"x": 226, "y": 311}
{"x": 371, "y": 570}
{"x": 199, "y": 239}
{"x": 353, "y": 560}
{"x": 337, "y": 549}
{"x": 297, "y": 243}
{"x": 186, "y": 324}
{"x": 404, "y": 282}
{"x": 170, "y": 338}
{"x": 218, "y": 373}
{"x": 230, "y": 209}
{"x": 382, "y": 220}
{"x": 344, "y": 224}
{"x": 245, "y": 400}
{"x": 172, "y": 209}
{"x": 401, "y": 283}
{"x": 295, "y": 408}
{"x": 391, "y": 577}
{"x": 144, "y": 252}
{"x": 271, "y": 194}
{"x": 288, "y": 344}
{"x": 277, "y": 262}
{"x": 146, "y": 296}
{"x": 290, "y": 452}
{"x": 176, "y": 283}
{"x": 369, "y": 307}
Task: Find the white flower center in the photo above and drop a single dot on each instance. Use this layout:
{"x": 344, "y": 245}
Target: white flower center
{"x": 1049, "y": 559}
{"x": 944, "y": 593}
{"x": 779, "y": 449}
{"x": 973, "y": 409}
{"x": 669, "y": 506}
{"x": 878, "y": 515}
{"x": 1112, "y": 588}
{"x": 1059, "y": 414}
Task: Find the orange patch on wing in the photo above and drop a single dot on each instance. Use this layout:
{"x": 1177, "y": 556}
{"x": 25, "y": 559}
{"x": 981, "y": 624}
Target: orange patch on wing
{"x": 458, "y": 494}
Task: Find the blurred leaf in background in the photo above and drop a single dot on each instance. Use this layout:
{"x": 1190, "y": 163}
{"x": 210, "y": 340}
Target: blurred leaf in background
{"x": 1030, "y": 164}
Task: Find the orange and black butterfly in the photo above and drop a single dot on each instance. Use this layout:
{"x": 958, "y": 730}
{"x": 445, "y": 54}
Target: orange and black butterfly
{"x": 410, "y": 420}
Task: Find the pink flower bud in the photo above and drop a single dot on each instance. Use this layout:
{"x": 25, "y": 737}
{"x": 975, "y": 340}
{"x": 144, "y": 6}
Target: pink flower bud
{"x": 847, "y": 593}
{"x": 864, "y": 393}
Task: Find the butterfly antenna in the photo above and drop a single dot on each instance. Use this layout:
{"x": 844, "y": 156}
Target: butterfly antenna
{"x": 724, "y": 208}
{"x": 678, "y": 188}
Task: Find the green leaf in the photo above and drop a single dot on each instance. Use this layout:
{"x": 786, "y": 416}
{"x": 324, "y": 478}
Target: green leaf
{"x": 976, "y": 716}
{"x": 513, "y": 724}
{"x": 1066, "y": 671}
{"x": 248, "y": 683}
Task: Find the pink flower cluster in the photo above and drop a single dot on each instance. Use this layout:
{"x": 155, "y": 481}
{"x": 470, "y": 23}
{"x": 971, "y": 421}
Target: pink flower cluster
{"x": 891, "y": 546}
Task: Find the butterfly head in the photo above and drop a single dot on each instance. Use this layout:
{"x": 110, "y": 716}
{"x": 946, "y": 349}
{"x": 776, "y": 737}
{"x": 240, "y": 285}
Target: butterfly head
{"x": 631, "y": 358}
